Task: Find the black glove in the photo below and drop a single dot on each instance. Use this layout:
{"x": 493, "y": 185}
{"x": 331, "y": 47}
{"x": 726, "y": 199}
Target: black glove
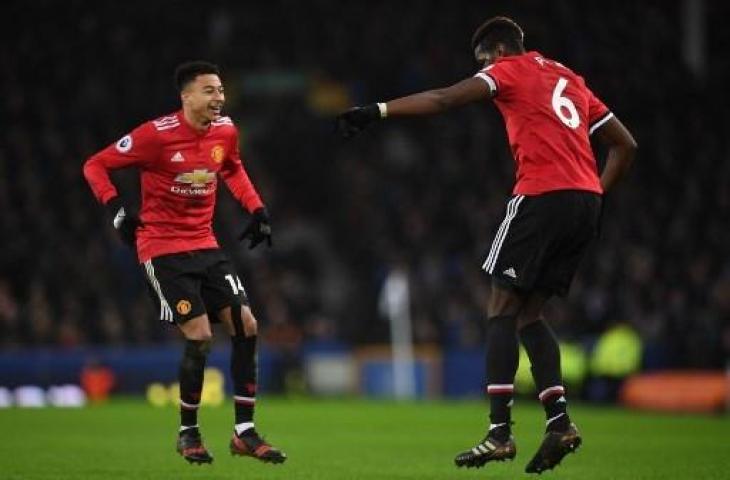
{"x": 124, "y": 221}
{"x": 258, "y": 229}
{"x": 357, "y": 119}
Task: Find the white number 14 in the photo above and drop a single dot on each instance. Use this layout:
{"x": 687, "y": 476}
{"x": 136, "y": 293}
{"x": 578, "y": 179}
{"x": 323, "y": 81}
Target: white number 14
{"x": 235, "y": 285}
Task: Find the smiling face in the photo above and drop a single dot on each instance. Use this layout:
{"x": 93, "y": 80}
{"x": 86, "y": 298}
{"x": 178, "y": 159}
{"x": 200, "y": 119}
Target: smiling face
{"x": 203, "y": 98}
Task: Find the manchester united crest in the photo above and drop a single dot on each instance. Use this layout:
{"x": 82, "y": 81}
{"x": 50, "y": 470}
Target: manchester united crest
{"x": 183, "y": 307}
{"x": 217, "y": 153}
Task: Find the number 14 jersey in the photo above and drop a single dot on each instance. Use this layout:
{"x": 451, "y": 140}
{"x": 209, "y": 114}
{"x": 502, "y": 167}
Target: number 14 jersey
{"x": 549, "y": 113}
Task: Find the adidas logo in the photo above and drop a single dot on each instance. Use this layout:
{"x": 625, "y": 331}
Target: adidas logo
{"x": 178, "y": 157}
{"x": 510, "y": 272}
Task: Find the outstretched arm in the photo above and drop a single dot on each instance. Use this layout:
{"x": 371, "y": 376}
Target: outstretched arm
{"x": 436, "y": 101}
{"x": 429, "y": 102}
{"x": 621, "y": 151}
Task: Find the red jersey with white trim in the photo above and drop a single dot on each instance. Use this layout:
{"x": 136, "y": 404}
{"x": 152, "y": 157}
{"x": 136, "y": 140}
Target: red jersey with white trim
{"x": 549, "y": 113}
{"x": 179, "y": 170}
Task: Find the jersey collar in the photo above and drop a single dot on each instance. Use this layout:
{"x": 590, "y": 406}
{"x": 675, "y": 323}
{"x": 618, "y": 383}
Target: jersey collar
{"x": 531, "y": 53}
{"x": 190, "y": 128}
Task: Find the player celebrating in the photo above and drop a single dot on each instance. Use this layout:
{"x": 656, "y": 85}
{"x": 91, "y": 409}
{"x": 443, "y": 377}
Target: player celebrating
{"x": 552, "y": 216}
{"x": 192, "y": 282}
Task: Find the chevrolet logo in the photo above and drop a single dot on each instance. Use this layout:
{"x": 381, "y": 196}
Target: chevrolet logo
{"x": 196, "y": 178}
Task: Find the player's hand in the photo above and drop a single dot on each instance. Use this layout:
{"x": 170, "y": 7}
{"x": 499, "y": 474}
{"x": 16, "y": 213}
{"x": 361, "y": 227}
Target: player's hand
{"x": 125, "y": 222}
{"x": 258, "y": 229}
{"x": 357, "y": 119}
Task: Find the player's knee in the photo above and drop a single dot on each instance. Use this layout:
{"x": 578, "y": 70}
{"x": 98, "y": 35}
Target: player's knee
{"x": 525, "y": 319}
{"x": 200, "y": 333}
{"x": 250, "y": 326}
{"x": 197, "y": 328}
{"x": 501, "y": 302}
{"x": 504, "y": 301}
{"x": 503, "y": 310}
{"x": 202, "y": 336}
{"x": 243, "y": 322}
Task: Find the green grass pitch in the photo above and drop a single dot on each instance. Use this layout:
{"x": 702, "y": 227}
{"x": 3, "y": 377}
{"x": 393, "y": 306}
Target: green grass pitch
{"x": 351, "y": 439}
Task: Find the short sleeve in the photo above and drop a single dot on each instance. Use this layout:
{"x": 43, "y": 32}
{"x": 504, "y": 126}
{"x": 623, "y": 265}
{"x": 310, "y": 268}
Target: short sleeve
{"x": 497, "y": 77}
{"x": 598, "y": 112}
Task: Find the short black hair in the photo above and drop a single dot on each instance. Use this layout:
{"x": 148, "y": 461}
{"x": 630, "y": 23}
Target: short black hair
{"x": 496, "y": 30}
{"x": 188, "y": 71}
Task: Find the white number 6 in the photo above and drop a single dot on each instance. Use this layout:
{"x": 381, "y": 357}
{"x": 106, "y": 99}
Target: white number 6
{"x": 560, "y": 103}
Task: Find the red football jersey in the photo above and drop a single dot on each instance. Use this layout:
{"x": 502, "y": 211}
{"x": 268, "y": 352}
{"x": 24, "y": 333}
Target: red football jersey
{"x": 178, "y": 167}
{"x": 549, "y": 113}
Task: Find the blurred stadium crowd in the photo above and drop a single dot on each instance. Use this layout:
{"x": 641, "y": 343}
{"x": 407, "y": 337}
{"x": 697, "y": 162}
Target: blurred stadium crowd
{"x": 426, "y": 194}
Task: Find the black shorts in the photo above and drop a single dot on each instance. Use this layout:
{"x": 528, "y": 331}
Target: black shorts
{"x": 542, "y": 240}
{"x": 188, "y": 284}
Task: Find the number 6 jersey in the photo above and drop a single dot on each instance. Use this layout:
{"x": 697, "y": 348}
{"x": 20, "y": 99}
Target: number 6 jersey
{"x": 549, "y": 113}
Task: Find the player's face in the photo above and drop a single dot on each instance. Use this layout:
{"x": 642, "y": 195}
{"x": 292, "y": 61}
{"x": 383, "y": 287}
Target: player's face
{"x": 204, "y": 97}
